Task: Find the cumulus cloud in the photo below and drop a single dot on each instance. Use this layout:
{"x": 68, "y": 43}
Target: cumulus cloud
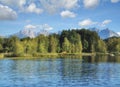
{"x": 37, "y": 27}
{"x": 90, "y": 3}
{"x": 105, "y": 22}
{"x": 89, "y": 22}
{"x": 53, "y": 6}
{"x": 17, "y": 3}
{"x": 50, "y": 6}
{"x": 33, "y": 9}
{"x": 115, "y": 1}
{"x": 69, "y": 4}
{"x": 29, "y": 26}
{"x": 7, "y": 13}
{"x": 23, "y": 6}
{"x": 67, "y": 13}
{"x": 86, "y": 22}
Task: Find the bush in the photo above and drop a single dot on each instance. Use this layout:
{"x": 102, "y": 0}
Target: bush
{"x": 1, "y": 55}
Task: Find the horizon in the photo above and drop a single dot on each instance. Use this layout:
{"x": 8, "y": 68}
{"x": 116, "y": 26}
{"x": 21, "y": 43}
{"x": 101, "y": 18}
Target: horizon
{"x": 56, "y": 15}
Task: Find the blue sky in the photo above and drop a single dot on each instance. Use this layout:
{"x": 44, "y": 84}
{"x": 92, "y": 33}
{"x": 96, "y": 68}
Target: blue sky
{"x": 56, "y": 15}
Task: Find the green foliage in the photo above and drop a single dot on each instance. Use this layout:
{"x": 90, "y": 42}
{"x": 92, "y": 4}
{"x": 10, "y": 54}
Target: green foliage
{"x": 74, "y": 40}
{"x": 78, "y": 47}
{"x": 113, "y": 44}
{"x": 68, "y": 42}
{"x": 85, "y": 45}
{"x": 1, "y": 55}
{"x": 9, "y": 44}
{"x": 101, "y": 46}
{"x": 88, "y": 38}
{"x": 1, "y": 44}
{"x": 42, "y": 44}
{"x": 18, "y": 49}
{"x": 53, "y": 43}
{"x": 1, "y": 48}
{"x": 66, "y": 45}
{"x": 30, "y": 45}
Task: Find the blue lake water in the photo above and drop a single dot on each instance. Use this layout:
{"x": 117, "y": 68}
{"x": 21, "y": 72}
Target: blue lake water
{"x": 99, "y": 71}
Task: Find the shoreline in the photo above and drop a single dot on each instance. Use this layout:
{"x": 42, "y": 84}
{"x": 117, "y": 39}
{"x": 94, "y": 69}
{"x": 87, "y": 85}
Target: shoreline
{"x": 53, "y": 55}
{"x": 47, "y": 55}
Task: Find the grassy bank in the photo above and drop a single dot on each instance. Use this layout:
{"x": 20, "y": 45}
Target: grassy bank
{"x": 47, "y": 55}
{"x": 52, "y": 55}
{"x": 1, "y": 55}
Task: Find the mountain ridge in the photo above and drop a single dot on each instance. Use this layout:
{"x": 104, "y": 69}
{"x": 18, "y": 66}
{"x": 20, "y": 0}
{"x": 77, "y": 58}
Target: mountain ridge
{"x": 104, "y": 33}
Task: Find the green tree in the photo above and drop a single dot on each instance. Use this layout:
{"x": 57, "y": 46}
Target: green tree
{"x": 101, "y": 46}
{"x": 66, "y": 45}
{"x": 72, "y": 48}
{"x": 1, "y": 44}
{"x": 9, "y": 43}
{"x": 53, "y": 43}
{"x": 18, "y": 49}
{"x": 1, "y": 48}
{"x": 30, "y": 45}
{"x": 88, "y": 39}
{"x": 113, "y": 44}
{"x": 42, "y": 44}
{"x": 78, "y": 47}
{"x": 85, "y": 45}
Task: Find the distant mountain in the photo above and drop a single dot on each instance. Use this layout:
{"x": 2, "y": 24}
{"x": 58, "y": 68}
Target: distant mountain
{"x": 118, "y": 33}
{"x": 30, "y": 33}
{"x": 25, "y": 33}
{"x": 44, "y": 32}
{"x": 105, "y": 33}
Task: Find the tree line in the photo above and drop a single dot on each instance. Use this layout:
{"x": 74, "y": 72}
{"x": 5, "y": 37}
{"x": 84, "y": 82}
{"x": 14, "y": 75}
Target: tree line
{"x": 69, "y": 41}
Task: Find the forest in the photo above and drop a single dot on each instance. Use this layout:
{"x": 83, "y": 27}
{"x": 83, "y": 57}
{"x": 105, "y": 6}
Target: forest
{"x": 69, "y": 41}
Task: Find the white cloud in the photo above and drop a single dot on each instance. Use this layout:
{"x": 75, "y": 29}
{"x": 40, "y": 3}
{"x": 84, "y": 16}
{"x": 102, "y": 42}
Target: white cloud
{"x": 17, "y": 3}
{"x": 86, "y": 22}
{"x": 41, "y": 27}
{"x": 46, "y": 27}
{"x": 69, "y": 4}
{"x": 90, "y": 3}
{"x": 105, "y": 22}
{"x": 115, "y": 1}
{"x": 7, "y": 13}
{"x": 33, "y": 9}
{"x": 53, "y": 6}
{"x": 89, "y": 22}
{"x": 21, "y": 5}
{"x": 67, "y": 13}
{"x": 50, "y": 6}
{"x": 29, "y": 26}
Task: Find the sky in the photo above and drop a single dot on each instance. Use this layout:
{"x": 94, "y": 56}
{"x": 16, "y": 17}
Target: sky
{"x": 57, "y": 15}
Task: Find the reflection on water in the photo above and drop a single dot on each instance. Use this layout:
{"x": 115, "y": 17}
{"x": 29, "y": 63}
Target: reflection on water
{"x": 99, "y": 59}
{"x": 100, "y": 71}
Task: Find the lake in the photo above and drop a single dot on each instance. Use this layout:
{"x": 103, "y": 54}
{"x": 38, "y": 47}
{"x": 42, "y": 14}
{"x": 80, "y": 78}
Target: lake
{"x": 100, "y": 71}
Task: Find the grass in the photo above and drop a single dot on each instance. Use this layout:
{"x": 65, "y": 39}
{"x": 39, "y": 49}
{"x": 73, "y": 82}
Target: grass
{"x": 1, "y": 55}
{"x": 46, "y": 55}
